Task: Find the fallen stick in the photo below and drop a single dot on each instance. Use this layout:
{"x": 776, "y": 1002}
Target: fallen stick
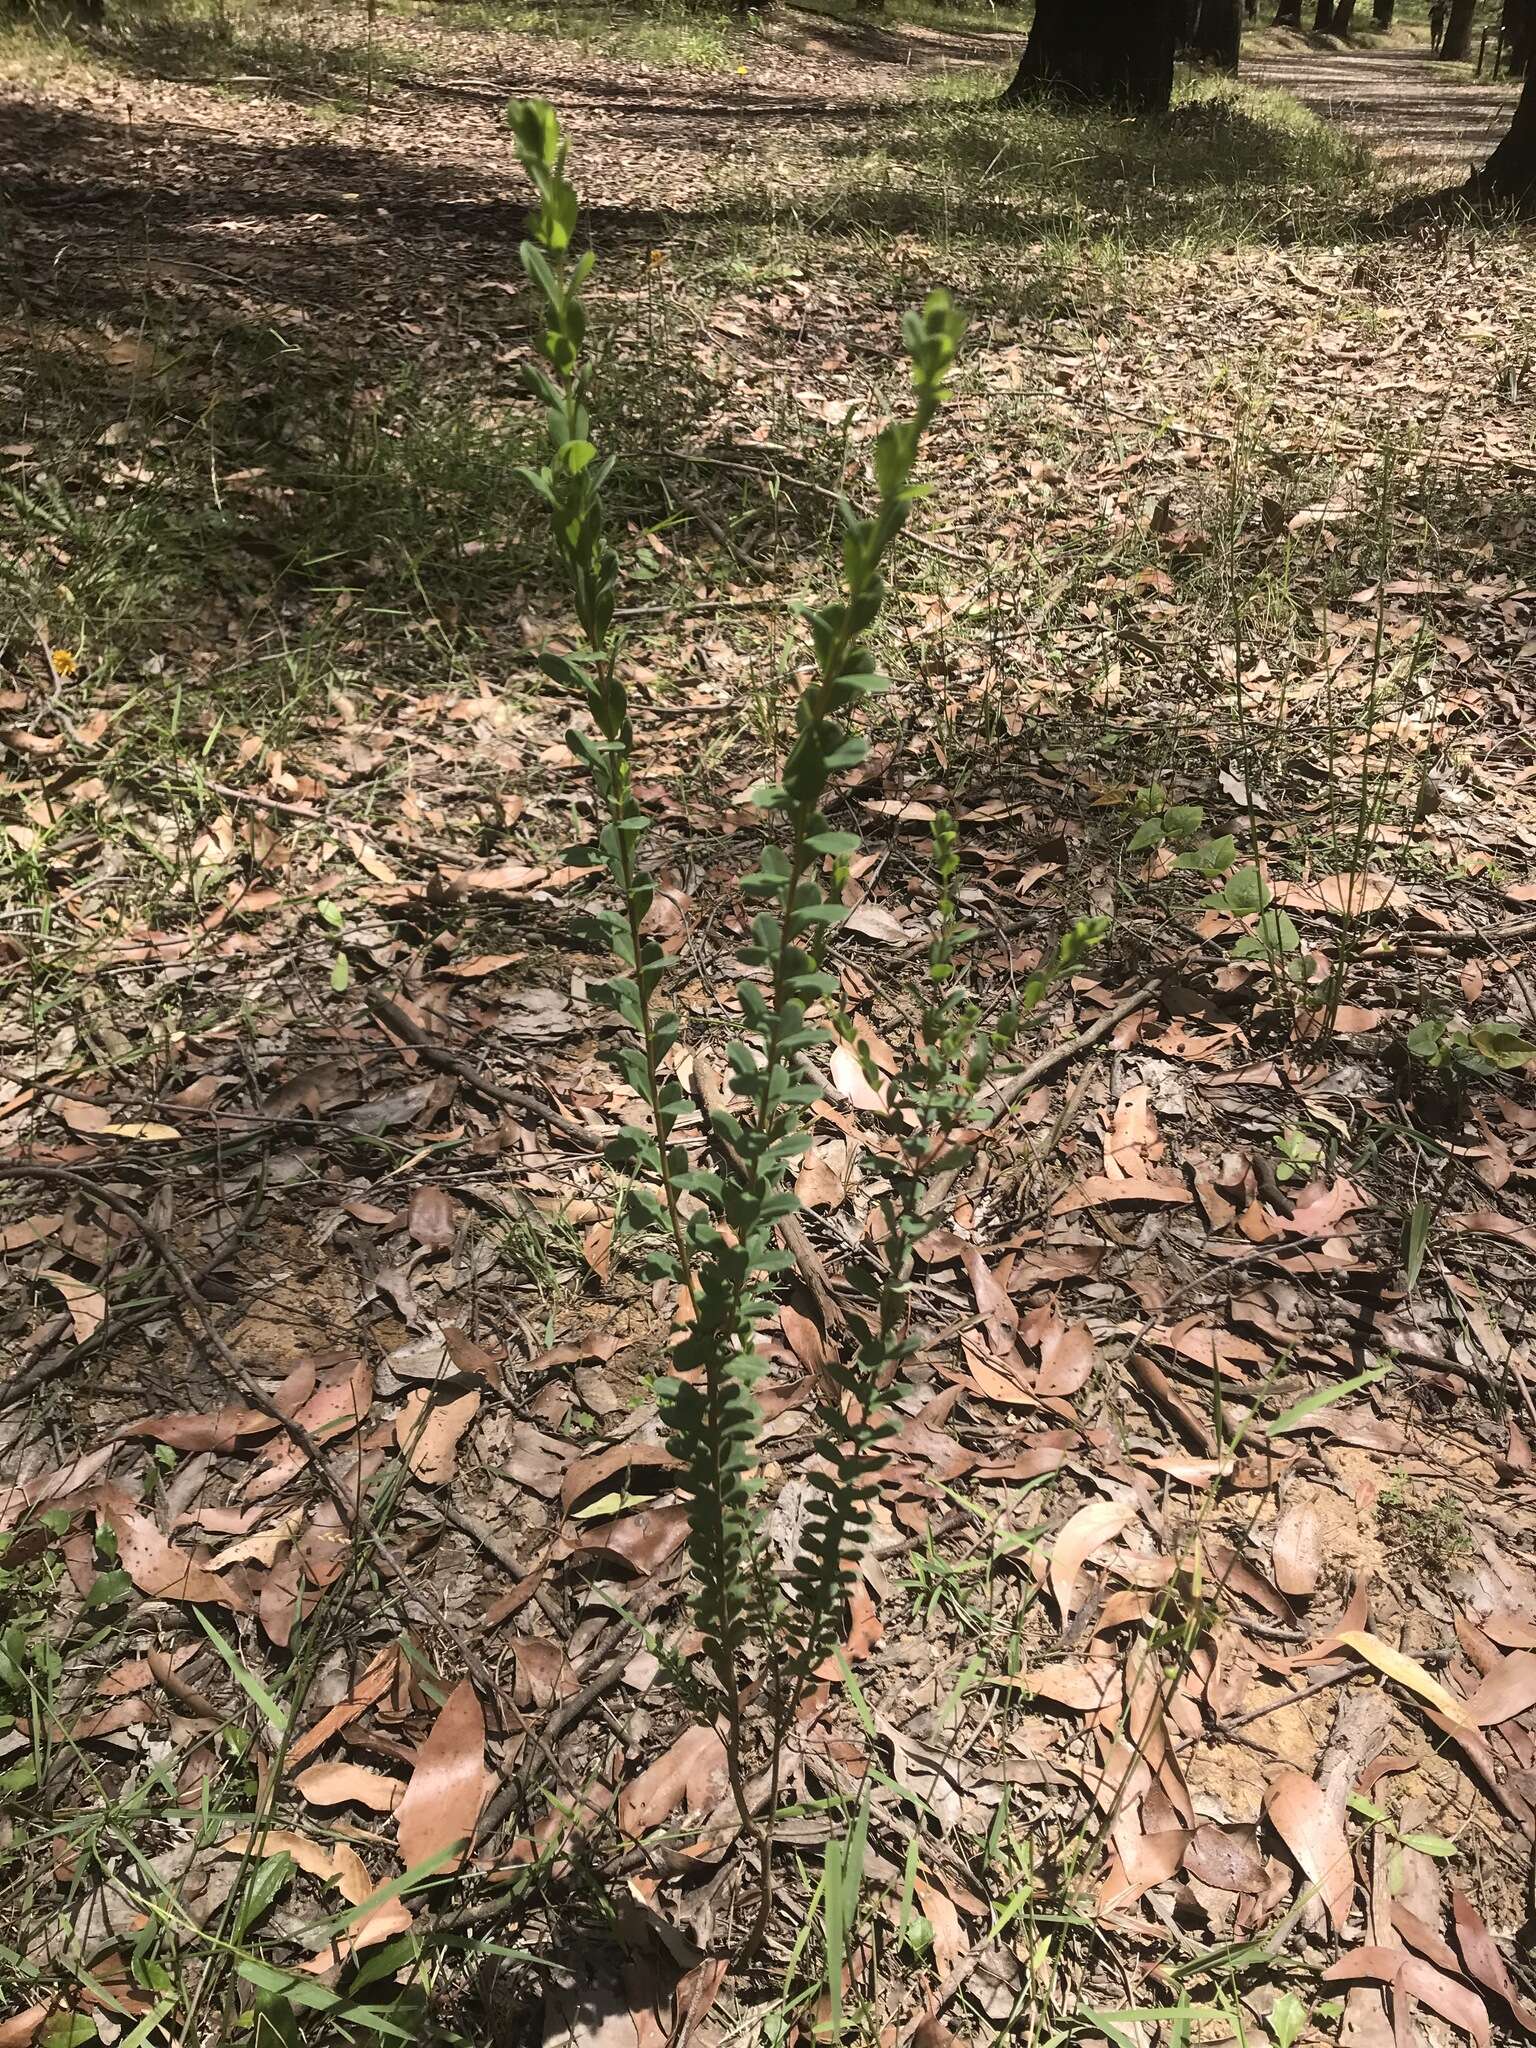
{"x": 405, "y": 1028}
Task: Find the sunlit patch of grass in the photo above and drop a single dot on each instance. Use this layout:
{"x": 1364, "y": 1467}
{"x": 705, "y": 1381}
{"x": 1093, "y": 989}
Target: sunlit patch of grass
{"x": 671, "y": 35}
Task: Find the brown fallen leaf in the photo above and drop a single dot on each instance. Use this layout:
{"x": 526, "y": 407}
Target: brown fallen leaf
{"x": 1000, "y": 1319}
{"x": 15, "y": 1237}
{"x": 481, "y": 965}
{"x": 1298, "y": 1551}
{"x": 432, "y": 1218}
{"x": 84, "y": 1301}
{"x": 1087, "y": 1531}
{"x": 593, "y": 1474}
{"x": 428, "y": 1432}
{"x": 1481, "y": 1955}
{"x": 1227, "y": 1859}
{"x": 1489, "y": 1223}
{"x": 23, "y": 2028}
{"x": 217, "y": 1430}
{"x": 938, "y": 1909}
{"x": 1508, "y": 1690}
{"x": 1304, "y": 1819}
{"x": 1099, "y": 1191}
{"x": 849, "y": 1080}
{"x": 873, "y": 921}
{"x": 47, "y": 1489}
{"x": 449, "y": 1784}
{"x": 691, "y": 1775}
{"x": 349, "y": 1785}
{"x": 1359, "y": 894}
{"x": 157, "y": 1566}
{"x": 373, "y": 1685}
{"x": 1068, "y": 1358}
{"x": 1089, "y": 1688}
{"x": 1380, "y": 1964}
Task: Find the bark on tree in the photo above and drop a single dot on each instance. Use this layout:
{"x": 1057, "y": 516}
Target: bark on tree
{"x": 1288, "y": 14}
{"x": 1343, "y": 15}
{"x": 1216, "y": 33}
{"x": 1458, "y": 30}
{"x": 1322, "y": 20}
{"x": 1510, "y": 173}
{"x": 1116, "y": 51}
{"x": 1519, "y": 21}
{"x": 1385, "y": 9}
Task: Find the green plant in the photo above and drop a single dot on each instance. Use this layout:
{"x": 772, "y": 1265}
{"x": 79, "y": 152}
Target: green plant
{"x": 1430, "y": 1531}
{"x": 1438, "y": 1846}
{"x": 1298, "y": 1155}
{"x": 1479, "y": 1050}
{"x": 718, "y": 1230}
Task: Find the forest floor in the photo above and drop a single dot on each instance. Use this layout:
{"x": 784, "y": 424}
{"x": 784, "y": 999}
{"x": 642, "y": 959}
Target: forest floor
{"x": 1189, "y": 1688}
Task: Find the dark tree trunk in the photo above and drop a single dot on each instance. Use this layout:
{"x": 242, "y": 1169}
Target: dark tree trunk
{"x": 1115, "y": 51}
{"x": 1322, "y": 20}
{"x": 1343, "y": 15}
{"x": 1288, "y": 14}
{"x": 1251, "y": 9}
{"x": 1519, "y": 21}
{"x": 1510, "y": 172}
{"x": 1385, "y": 9}
{"x": 1458, "y": 30}
{"x": 1216, "y": 34}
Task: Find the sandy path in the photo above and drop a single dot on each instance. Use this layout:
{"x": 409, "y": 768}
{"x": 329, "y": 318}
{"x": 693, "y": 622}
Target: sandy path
{"x": 1402, "y": 103}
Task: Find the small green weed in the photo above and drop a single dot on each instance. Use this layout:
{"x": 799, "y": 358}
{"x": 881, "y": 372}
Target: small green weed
{"x": 1428, "y": 1529}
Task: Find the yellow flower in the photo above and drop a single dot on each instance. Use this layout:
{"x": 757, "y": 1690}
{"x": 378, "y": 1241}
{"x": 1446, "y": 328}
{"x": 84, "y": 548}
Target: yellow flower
{"x": 658, "y": 257}
{"x": 741, "y": 70}
{"x": 64, "y": 662}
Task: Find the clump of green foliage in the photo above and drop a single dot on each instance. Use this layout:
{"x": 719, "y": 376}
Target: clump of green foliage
{"x": 716, "y": 1228}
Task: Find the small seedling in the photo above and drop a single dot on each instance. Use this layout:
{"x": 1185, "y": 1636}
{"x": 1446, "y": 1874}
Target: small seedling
{"x": 1479, "y": 1050}
{"x": 1299, "y": 1154}
{"x": 1179, "y": 826}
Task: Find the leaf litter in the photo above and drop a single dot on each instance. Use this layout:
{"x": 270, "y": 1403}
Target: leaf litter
{"x": 1123, "y": 1557}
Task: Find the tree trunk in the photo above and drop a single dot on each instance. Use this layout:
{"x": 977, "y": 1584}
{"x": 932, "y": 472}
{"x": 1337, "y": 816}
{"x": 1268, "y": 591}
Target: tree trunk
{"x": 1322, "y": 20}
{"x": 1217, "y": 33}
{"x": 1458, "y": 30}
{"x": 1115, "y": 51}
{"x": 1385, "y": 9}
{"x": 1288, "y": 14}
{"x": 1343, "y": 15}
{"x": 1519, "y": 36}
{"x": 1510, "y": 172}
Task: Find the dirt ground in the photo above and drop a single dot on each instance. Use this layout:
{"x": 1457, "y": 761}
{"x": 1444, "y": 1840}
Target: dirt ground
{"x": 294, "y": 973}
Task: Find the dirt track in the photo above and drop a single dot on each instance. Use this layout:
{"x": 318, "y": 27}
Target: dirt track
{"x": 1403, "y": 104}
